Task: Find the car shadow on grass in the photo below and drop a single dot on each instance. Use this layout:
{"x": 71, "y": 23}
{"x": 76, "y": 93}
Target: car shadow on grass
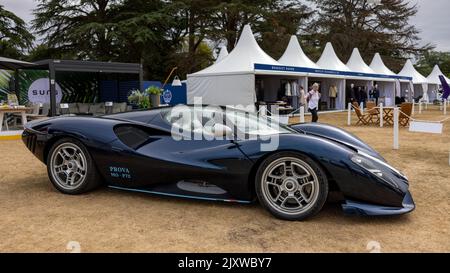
{"x": 331, "y": 212}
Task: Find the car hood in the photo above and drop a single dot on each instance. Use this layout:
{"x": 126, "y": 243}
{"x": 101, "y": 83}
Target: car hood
{"x": 336, "y": 134}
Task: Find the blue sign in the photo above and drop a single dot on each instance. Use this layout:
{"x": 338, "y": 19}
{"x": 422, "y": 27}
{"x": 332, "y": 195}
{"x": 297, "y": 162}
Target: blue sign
{"x": 281, "y": 68}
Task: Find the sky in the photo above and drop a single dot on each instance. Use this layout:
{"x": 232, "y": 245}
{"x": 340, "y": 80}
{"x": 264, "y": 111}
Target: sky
{"x": 433, "y": 19}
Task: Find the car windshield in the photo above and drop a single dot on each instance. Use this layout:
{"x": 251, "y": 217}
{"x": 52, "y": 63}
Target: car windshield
{"x": 206, "y": 119}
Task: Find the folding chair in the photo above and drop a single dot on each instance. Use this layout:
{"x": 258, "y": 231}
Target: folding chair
{"x": 373, "y": 111}
{"x": 405, "y": 113}
{"x": 362, "y": 118}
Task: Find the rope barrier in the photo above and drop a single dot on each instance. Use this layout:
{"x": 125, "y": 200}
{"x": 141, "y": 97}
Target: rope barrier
{"x": 408, "y": 116}
{"x": 418, "y": 120}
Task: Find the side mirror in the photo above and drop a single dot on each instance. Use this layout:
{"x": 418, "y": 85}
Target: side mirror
{"x": 221, "y": 130}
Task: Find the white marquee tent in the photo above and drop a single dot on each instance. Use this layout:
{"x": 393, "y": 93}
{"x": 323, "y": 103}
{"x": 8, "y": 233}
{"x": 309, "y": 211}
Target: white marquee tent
{"x": 433, "y": 78}
{"x": 420, "y": 82}
{"x": 329, "y": 60}
{"x": 379, "y": 67}
{"x": 294, "y": 55}
{"x": 434, "y": 81}
{"x": 248, "y": 74}
{"x": 356, "y": 64}
{"x": 222, "y": 54}
{"x": 232, "y": 80}
{"x": 385, "y": 86}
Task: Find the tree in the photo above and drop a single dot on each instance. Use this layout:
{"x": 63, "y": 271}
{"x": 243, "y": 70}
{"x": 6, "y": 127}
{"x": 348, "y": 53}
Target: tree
{"x": 429, "y": 59}
{"x": 85, "y": 27}
{"x": 151, "y": 32}
{"x": 14, "y": 36}
{"x": 194, "y": 19}
{"x": 372, "y": 26}
{"x": 272, "y": 21}
{"x": 147, "y": 33}
{"x": 282, "y": 20}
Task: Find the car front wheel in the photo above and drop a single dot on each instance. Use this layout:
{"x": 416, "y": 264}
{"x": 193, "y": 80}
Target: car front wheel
{"x": 70, "y": 167}
{"x": 291, "y": 186}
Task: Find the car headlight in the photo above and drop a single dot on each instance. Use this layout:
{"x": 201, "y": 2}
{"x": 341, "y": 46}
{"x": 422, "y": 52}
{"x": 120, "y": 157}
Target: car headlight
{"x": 381, "y": 171}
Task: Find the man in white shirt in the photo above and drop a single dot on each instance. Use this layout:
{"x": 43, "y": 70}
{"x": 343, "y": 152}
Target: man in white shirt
{"x": 313, "y": 98}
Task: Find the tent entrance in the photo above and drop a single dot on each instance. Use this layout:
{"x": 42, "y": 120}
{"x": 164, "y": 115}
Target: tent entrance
{"x": 358, "y": 90}
{"x": 387, "y": 92}
{"x": 326, "y": 84}
{"x": 279, "y": 93}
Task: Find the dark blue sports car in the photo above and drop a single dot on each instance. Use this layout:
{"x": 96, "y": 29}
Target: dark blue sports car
{"x": 212, "y": 153}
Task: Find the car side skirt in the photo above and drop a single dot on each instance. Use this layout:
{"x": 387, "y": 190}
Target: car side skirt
{"x": 161, "y": 191}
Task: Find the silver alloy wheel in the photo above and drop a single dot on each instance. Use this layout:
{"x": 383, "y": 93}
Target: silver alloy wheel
{"x": 68, "y": 166}
{"x": 290, "y": 185}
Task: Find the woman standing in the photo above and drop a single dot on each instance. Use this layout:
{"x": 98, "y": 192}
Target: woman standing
{"x": 313, "y": 98}
{"x": 302, "y": 96}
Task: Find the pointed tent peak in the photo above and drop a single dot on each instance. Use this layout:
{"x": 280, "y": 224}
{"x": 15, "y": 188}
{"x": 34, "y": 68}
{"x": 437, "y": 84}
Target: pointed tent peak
{"x": 357, "y": 64}
{"x": 222, "y": 54}
{"x": 409, "y": 71}
{"x": 243, "y": 57}
{"x": 379, "y": 67}
{"x": 329, "y": 60}
{"x": 433, "y": 78}
{"x": 294, "y": 55}
{"x": 247, "y": 39}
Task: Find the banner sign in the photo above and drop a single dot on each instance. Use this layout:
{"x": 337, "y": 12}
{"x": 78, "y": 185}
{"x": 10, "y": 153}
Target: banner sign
{"x": 281, "y": 68}
{"x": 39, "y": 91}
{"x": 426, "y": 127}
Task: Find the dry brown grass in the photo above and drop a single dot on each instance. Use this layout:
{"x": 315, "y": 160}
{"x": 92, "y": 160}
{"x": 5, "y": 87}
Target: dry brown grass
{"x": 35, "y": 217}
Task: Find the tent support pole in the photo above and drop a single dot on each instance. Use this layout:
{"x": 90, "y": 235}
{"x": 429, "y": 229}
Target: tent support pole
{"x": 52, "y": 89}
{"x": 396, "y": 129}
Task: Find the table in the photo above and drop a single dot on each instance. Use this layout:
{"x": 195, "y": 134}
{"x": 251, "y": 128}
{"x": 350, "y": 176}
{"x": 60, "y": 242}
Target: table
{"x": 21, "y": 110}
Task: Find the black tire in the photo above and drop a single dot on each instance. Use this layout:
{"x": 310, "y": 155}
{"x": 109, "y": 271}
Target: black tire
{"x": 265, "y": 190}
{"x": 86, "y": 183}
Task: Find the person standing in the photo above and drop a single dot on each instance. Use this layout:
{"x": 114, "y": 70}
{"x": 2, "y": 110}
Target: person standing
{"x": 332, "y": 93}
{"x": 375, "y": 93}
{"x": 295, "y": 95}
{"x": 362, "y": 96}
{"x": 350, "y": 95}
{"x": 302, "y": 95}
{"x": 313, "y": 98}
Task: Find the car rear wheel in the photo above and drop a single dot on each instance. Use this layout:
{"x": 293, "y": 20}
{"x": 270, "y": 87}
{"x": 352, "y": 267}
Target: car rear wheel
{"x": 70, "y": 167}
{"x": 291, "y": 186}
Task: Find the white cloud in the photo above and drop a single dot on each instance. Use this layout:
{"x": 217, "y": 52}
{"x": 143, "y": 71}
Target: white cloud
{"x": 433, "y": 20}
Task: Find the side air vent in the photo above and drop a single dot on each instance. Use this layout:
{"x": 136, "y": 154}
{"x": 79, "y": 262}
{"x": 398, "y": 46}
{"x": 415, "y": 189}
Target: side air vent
{"x": 136, "y": 136}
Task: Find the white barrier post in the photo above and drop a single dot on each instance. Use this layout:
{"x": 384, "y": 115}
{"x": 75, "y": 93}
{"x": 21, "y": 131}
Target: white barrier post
{"x": 361, "y": 106}
{"x": 349, "y": 115}
{"x": 302, "y": 114}
{"x": 445, "y": 107}
{"x": 396, "y": 142}
{"x": 413, "y": 108}
{"x": 381, "y": 115}
{"x": 420, "y": 107}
